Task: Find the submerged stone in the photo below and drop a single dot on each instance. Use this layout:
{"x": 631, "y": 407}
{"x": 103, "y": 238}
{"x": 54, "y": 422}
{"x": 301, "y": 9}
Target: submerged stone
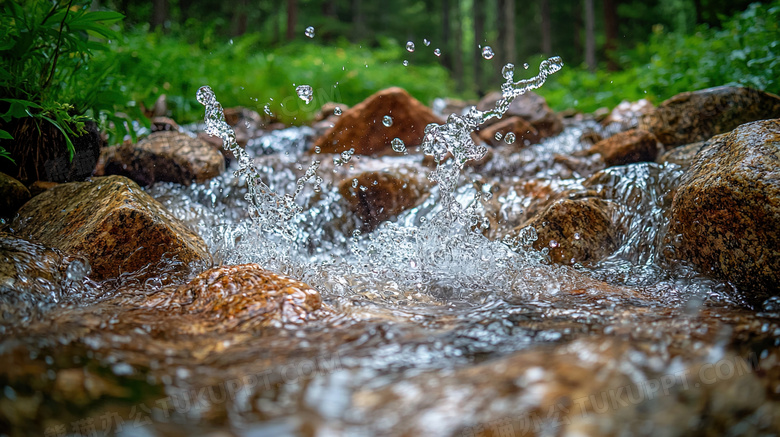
{"x": 361, "y": 128}
{"x": 376, "y": 196}
{"x": 682, "y": 156}
{"x": 699, "y": 115}
{"x": 726, "y": 210}
{"x": 575, "y": 230}
{"x": 112, "y": 222}
{"x": 164, "y": 156}
{"x": 246, "y": 296}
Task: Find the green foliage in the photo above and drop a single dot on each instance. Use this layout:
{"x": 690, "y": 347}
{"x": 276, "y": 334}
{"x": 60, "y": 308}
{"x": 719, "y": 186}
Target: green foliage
{"x": 242, "y": 72}
{"x": 46, "y": 72}
{"x": 745, "y": 51}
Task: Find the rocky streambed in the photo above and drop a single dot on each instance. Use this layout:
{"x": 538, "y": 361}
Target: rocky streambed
{"x": 612, "y": 276}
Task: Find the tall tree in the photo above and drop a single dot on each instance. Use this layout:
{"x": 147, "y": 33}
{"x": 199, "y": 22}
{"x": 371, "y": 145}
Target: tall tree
{"x": 446, "y": 44}
{"x": 546, "y": 28}
{"x": 159, "y": 13}
{"x": 292, "y": 18}
{"x": 479, "y": 42}
{"x": 610, "y": 32}
{"x": 590, "y": 35}
{"x": 358, "y": 21}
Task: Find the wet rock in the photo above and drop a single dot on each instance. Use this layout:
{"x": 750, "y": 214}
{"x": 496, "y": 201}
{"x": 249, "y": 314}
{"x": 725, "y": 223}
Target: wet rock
{"x": 726, "y": 210}
{"x": 376, "y": 196}
{"x": 163, "y": 124}
{"x": 329, "y": 109}
{"x": 444, "y": 107}
{"x": 525, "y": 134}
{"x": 626, "y": 115}
{"x": 165, "y": 156}
{"x": 361, "y": 128}
{"x": 635, "y": 145}
{"x": 39, "y": 187}
{"x": 247, "y": 296}
{"x": 682, "y": 156}
{"x": 532, "y": 108}
{"x": 575, "y": 230}
{"x": 32, "y": 272}
{"x": 13, "y": 194}
{"x": 697, "y": 116}
{"x": 113, "y": 223}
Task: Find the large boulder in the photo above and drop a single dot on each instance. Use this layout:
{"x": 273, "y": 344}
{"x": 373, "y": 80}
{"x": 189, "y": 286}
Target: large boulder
{"x": 635, "y": 145}
{"x": 13, "y": 194}
{"x": 164, "y": 156}
{"x": 725, "y": 214}
{"x": 376, "y": 196}
{"x": 113, "y": 223}
{"x": 698, "y": 116}
{"x": 245, "y": 296}
{"x": 531, "y": 107}
{"x": 361, "y": 127}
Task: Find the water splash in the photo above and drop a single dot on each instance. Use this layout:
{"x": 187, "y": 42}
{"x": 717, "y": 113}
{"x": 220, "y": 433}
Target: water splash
{"x": 306, "y": 93}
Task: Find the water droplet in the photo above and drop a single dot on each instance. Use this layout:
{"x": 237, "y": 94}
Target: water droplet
{"x": 317, "y": 149}
{"x": 576, "y": 235}
{"x": 267, "y": 109}
{"x": 354, "y": 183}
{"x": 409, "y": 46}
{"x": 310, "y": 32}
{"x": 437, "y": 52}
{"x": 498, "y": 136}
{"x": 337, "y": 111}
{"x": 387, "y": 121}
{"x": 553, "y": 244}
{"x": 398, "y": 145}
{"x": 508, "y": 71}
{"x": 426, "y": 42}
{"x": 305, "y": 93}
{"x": 509, "y": 138}
{"x": 526, "y": 65}
{"x": 406, "y": 63}
{"x": 487, "y": 52}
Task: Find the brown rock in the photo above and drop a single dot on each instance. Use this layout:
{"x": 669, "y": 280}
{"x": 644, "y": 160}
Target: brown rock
{"x": 165, "y": 156}
{"x": 532, "y": 108}
{"x": 112, "y": 222}
{"x": 246, "y": 295}
{"x": 329, "y": 109}
{"x": 164, "y": 124}
{"x": 380, "y": 195}
{"x": 39, "y": 187}
{"x": 726, "y": 210}
{"x": 361, "y": 127}
{"x": 682, "y": 156}
{"x": 627, "y": 147}
{"x": 626, "y": 115}
{"x": 697, "y": 116}
{"x": 575, "y": 231}
{"x": 13, "y": 194}
{"x": 525, "y": 134}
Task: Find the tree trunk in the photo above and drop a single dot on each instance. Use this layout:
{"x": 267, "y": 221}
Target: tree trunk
{"x": 329, "y": 8}
{"x": 292, "y": 18}
{"x": 611, "y": 33}
{"x": 159, "y": 13}
{"x": 577, "y": 34}
{"x": 458, "y": 48}
{"x": 445, "y": 44}
{"x": 546, "y": 28}
{"x": 699, "y": 12}
{"x": 510, "y": 47}
{"x": 590, "y": 35}
{"x": 358, "y": 21}
{"x": 240, "y": 13}
{"x": 479, "y": 43}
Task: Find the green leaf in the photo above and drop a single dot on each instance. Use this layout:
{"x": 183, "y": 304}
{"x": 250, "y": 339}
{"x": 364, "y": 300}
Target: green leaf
{"x": 4, "y": 135}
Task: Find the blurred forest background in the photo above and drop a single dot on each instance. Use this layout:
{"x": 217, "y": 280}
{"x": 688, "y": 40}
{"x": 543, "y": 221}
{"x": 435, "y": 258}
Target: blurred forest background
{"x": 254, "y": 52}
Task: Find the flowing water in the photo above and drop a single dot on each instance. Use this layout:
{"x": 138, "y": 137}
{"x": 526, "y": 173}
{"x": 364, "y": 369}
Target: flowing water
{"x": 431, "y": 325}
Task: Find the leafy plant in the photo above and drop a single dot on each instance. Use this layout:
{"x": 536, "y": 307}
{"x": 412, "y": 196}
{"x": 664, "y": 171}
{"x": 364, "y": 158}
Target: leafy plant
{"x": 46, "y": 49}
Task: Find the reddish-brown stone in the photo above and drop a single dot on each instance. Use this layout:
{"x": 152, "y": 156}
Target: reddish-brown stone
{"x": 525, "y": 134}
{"x": 635, "y": 145}
{"x": 361, "y": 128}
{"x": 532, "y": 108}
